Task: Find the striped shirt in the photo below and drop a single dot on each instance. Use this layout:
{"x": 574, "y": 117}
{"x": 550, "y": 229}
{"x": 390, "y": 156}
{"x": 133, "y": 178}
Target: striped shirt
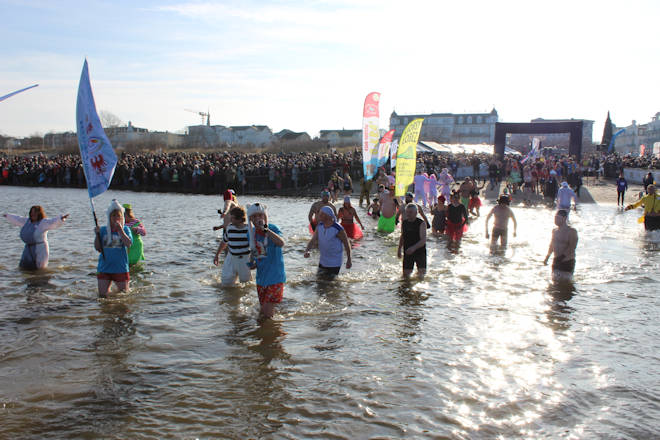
{"x": 237, "y": 239}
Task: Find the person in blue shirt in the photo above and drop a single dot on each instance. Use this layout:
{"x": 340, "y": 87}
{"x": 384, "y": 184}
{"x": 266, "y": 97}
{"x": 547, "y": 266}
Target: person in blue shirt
{"x": 266, "y": 243}
{"x": 115, "y": 240}
{"x": 621, "y": 187}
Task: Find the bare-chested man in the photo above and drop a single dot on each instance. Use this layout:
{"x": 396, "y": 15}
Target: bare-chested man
{"x": 388, "y": 210}
{"x": 502, "y": 214}
{"x": 563, "y": 244}
{"x": 316, "y": 207}
{"x": 465, "y": 189}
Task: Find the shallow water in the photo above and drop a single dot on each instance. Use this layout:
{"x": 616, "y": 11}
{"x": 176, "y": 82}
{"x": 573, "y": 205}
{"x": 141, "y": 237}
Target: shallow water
{"x": 485, "y": 347}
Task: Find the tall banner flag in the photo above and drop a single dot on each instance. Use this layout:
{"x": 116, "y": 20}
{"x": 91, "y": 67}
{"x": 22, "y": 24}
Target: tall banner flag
{"x": 406, "y": 157}
{"x": 98, "y": 157}
{"x": 534, "y": 152}
{"x": 393, "y": 148}
{"x": 370, "y": 135}
{"x": 384, "y": 148}
{"x": 9, "y": 95}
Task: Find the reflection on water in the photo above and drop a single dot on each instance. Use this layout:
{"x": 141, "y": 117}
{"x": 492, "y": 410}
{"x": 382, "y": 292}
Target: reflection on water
{"x": 486, "y": 346}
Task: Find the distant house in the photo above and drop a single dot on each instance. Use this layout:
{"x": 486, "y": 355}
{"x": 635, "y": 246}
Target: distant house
{"x": 236, "y": 135}
{"x": 450, "y": 128}
{"x": 60, "y": 140}
{"x": 340, "y": 138}
{"x": 289, "y": 136}
{"x": 636, "y": 135}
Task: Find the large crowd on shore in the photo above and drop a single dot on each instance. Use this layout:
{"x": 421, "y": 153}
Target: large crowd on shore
{"x": 269, "y": 172}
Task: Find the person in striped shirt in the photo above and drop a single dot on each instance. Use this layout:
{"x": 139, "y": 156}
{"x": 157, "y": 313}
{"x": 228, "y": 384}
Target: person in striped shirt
{"x": 235, "y": 238}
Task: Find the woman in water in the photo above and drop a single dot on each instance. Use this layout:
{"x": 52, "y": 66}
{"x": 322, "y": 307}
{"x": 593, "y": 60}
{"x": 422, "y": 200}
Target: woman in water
{"x": 346, "y": 216}
{"x": 439, "y": 212}
{"x": 457, "y": 218}
{"x": 112, "y": 242}
{"x": 34, "y": 233}
{"x": 136, "y": 252}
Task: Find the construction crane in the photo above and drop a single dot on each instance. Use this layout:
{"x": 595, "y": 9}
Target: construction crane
{"x": 206, "y": 115}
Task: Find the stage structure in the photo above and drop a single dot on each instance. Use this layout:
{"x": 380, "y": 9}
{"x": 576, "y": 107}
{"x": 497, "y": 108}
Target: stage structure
{"x": 573, "y": 128}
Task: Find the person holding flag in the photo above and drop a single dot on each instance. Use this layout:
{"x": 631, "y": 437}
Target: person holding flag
{"x": 113, "y": 242}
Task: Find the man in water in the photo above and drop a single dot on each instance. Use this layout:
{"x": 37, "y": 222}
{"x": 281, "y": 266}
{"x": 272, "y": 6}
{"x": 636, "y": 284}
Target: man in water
{"x": 563, "y": 244}
{"x": 316, "y": 207}
{"x": 409, "y": 199}
{"x": 465, "y": 189}
{"x": 564, "y": 197}
{"x": 388, "y": 210}
{"x": 329, "y": 237}
{"x": 412, "y": 242}
{"x": 502, "y": 213}
{"x": 651, "y": 202}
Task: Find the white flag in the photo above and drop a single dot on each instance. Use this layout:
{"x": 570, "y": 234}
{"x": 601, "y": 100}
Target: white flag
{"x": 98, "y": 157}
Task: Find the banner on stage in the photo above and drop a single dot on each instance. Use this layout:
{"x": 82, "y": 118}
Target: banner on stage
{"x": 406, "y": 156}
{"x": 98, "y": 157}
{"x": 370, "y": 135}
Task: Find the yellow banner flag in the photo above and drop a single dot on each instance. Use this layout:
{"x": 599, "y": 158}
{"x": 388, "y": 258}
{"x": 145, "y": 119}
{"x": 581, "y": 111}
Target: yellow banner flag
{"x": 406, "y": 156}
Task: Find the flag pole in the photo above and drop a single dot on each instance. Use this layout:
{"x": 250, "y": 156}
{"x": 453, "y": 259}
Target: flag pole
{"x": 96, "y": 223}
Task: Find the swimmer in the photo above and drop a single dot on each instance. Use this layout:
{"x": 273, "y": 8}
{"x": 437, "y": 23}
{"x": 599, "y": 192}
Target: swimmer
{"x": 112, "y": 242}
{"x": 136, "y": 251}
{"x": 374, "y": 208}
{"x": 235, "y": 238}
{"x": 563, "y": 244}
{"x": 457, "y": 218}
{"x": 316, "y": 207}
{"x": 564, "y": 197}
{"x": 474, "y": 203}
{"x": 439, "y": 212}
{"x": 502, "y": 213}
{"x": 388, "y": 210}
{"x": 409, "y": 199}
{"x": 329, "y": 237}
{"x": 346, "y": 216}
{"x": 412, "y": 242}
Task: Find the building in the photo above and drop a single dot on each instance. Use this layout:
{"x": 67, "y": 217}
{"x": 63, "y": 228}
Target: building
{"x": 288, "y": 136}
{"x": 341, "y": 138}
{"x": 60, "y": 140}
{"x": 635, "y": 135}
{"x": 450, "y": 128}
{"x": 214, "y": 135}
{"x": 522, "y": 142}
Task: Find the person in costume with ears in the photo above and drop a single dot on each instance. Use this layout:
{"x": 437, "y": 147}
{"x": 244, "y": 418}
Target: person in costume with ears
{"x": 266, "y": 242}
{"x": 34, "y": 233}
{"x": 136, "y": 251}
{"x": 347, "y": 214}
{"x": 115, "y": 240}
{"x": 329, "y": 236}
{"x": 229, "y": 197}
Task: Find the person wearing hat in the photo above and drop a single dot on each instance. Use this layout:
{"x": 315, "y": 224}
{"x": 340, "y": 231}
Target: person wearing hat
{"x": 329, "y": 237}
{"x": 563, "y": 244}
{"x": 651, "y": 202}
{"x": 564, "y": 197}
{"x": 648, "y": 180}
{"x": 502, "y": 213}
{"x": 229, "y": 197}
{"x": 136, "y": 251}
{"x": 266, "y": 242}
{"x": 316, "y": 207}
{"x": 112, "y": 242}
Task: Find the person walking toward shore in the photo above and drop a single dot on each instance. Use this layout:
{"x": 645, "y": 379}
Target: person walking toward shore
{"x": 112, "y": 242}
{"x": 347, "y": 216}
{"x": 563, "y": 244}
{"x": 235, "y": 237}
{"x": 502, "y": 213}
{"x": 267, "y": 259}
{"x": 316, "y": 207}
{"x": 329, "y": 237}
{"x": 136, "y": 251}
{"x": 230, "y": 202}
{"x": 388, "y": 210}
{"x": 34, "y": 233}
{"x": 621, "y": 188}
{"x": 412, "y": 242}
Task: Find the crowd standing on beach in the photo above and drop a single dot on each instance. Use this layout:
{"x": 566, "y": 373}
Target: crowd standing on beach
{"x": 250, "y": 242}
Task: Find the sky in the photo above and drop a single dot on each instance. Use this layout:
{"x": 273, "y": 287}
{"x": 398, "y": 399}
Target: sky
{"x": 308, "y": 65}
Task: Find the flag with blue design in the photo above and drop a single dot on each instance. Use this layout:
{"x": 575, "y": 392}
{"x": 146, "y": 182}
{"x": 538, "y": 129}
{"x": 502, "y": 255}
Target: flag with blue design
{"x": 98, "y": 157}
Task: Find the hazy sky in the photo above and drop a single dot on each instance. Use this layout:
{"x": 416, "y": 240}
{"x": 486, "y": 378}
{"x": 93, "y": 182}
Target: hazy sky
{"x": 308, "y": 65}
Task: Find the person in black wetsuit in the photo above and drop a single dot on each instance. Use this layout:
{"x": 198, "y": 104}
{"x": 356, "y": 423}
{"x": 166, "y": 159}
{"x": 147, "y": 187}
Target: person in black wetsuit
{"x": 412, "y": 242}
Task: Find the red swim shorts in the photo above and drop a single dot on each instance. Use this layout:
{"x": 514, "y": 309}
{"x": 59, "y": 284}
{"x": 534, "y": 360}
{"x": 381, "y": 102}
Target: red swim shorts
{"x": 116, "y": 277}
{"x": 272, "y": 293}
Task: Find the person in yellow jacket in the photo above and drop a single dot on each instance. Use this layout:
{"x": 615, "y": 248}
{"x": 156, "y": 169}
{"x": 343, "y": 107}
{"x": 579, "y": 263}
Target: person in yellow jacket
{"x": 651, "y": 202}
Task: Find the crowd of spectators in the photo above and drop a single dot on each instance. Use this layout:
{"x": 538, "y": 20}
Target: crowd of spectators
{"x": 211, "y": 173}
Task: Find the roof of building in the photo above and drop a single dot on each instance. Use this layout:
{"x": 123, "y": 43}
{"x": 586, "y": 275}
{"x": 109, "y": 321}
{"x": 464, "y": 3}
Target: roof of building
{"x": 341, "y": 133}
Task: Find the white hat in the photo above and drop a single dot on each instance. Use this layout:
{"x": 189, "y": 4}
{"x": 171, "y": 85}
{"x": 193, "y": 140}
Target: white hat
{"x": 114, "y": 206}
{"x": 553, "y": 172}
{"x": 564, "y": 184}
{"x": 256, "y": 208}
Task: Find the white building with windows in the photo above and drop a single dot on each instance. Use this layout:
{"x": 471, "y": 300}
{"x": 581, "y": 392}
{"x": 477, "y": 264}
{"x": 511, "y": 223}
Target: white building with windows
{"x": 636, "y": 135}
{"x": 451, "y": 128}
